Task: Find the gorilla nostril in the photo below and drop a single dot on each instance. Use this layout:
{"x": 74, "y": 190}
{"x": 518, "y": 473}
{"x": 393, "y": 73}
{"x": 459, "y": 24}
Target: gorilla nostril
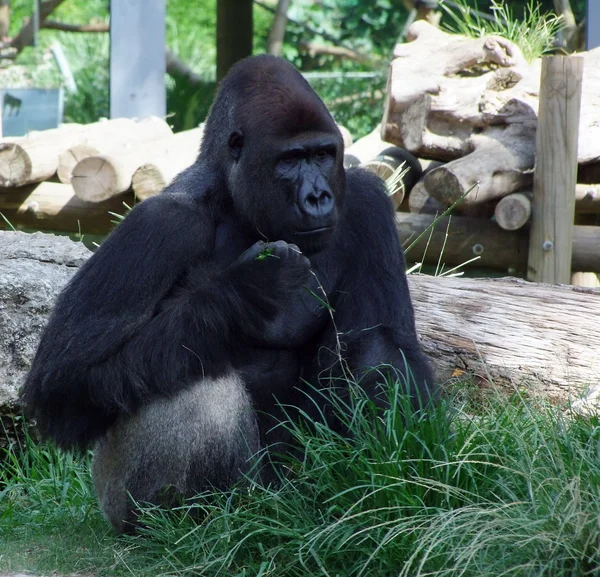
{"x": 322, "y": 197}
{"x": 315, "y": 202}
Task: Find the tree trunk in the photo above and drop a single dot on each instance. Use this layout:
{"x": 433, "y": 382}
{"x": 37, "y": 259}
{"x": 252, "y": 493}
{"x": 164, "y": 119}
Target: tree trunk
{"x": 277, "y": 34}
{"x": 25, "y": 36}
{"x": 234, "y": 33}
{"x": 459, "y": 239}
{"x": 4, "y": 18}
{"x": 568, "y": 34}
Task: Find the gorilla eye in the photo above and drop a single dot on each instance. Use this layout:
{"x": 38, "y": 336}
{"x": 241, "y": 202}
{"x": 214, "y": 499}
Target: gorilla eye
{"x": 324, "y": 153}
{"x": 236, "y": 142}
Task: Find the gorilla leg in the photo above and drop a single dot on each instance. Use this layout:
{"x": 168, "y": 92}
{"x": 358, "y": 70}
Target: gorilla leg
{"x": 204, "y": 437}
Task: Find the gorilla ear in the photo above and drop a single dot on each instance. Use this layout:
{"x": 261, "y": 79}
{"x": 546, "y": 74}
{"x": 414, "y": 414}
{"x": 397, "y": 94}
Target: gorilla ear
{"x": 236, "y": 143}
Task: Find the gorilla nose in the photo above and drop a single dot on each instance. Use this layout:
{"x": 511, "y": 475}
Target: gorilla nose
{"x": 317, "y": 203}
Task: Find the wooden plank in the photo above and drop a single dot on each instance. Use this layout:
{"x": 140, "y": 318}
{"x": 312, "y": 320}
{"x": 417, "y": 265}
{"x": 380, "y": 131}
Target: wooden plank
{"x": 137, "y": 58}
{"x": 555, "y": 177}
{"x": 592, "y": 25}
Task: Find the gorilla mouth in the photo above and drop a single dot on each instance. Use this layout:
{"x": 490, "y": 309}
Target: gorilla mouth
{"x": 308, "y": 232}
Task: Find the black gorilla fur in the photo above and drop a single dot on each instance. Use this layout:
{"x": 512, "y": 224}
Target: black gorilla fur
{"x": 169, "y": 345}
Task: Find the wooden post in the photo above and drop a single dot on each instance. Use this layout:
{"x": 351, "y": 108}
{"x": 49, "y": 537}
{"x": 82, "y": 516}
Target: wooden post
{"x": 137, "y": 58}
{"x": 551, "y": 240}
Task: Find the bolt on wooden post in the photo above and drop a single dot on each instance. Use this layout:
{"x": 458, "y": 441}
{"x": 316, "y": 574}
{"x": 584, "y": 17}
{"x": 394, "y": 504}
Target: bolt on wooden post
{"x": 555, "y": 177}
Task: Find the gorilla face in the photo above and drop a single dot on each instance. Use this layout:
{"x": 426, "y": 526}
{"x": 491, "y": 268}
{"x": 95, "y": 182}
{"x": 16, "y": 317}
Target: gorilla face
{"x": 288, "y": 190}
{"x": 279, "y": 152}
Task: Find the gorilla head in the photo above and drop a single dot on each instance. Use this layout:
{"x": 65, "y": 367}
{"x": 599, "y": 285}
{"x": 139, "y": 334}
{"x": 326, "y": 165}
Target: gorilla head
{"x": 278, "y": 153}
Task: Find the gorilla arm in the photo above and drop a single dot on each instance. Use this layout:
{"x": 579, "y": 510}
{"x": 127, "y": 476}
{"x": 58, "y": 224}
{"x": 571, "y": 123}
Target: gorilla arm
{"x": 133, "y": 323}
{"x": 373, "y": 312}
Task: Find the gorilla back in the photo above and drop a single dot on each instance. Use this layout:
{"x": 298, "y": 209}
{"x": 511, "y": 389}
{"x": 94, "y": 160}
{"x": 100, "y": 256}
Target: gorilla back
{"x": 222, "y": 279}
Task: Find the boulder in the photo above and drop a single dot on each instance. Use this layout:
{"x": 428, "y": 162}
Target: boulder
{"x": 33, "y": 270}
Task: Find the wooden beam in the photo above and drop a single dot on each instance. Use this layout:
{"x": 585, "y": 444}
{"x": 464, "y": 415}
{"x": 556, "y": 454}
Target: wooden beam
{"x": 460, "y": 238}
{"x": 555, "y": 176}
{"x": 54, "y": 206}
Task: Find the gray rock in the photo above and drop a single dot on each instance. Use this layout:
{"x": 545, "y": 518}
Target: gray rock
{"x": 33, "y": 270}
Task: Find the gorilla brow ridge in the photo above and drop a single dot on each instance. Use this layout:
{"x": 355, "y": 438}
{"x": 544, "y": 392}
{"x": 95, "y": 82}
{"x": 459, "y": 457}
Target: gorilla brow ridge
{"x": 288, "y": 105}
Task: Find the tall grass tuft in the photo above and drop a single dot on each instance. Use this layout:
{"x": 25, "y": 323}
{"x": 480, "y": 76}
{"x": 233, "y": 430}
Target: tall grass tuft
{"x": 534, "y": 33}
{"x": 512, "y": 491}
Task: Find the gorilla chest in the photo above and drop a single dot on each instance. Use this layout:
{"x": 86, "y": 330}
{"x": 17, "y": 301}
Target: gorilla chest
{"x": 230, "y": 242}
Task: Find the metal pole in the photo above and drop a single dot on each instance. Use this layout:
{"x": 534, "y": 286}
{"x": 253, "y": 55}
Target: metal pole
{"x": 592, "y": 24}
{"x": 137, "y": 58}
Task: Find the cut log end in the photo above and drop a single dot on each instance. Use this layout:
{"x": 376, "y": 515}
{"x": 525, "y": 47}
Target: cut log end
{"x": 147, "y": 181}
{"x": 68, "y": 159}
{"x": 445, "y": 186}
{"x": 420, "y": 202}
{"x": 96, "y": 178}
{"x": 15, "y": 165}
{"x": 513, "y": 211}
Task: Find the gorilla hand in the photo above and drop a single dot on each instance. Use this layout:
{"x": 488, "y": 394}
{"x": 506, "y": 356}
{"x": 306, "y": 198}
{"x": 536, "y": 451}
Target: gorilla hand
{"x": 270, "y": 278}
{"x": 280, "y": 266}
{"x": 299, "y": 313}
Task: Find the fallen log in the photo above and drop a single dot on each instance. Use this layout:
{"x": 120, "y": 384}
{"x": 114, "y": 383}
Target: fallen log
{"x": 538, "y": 338}
{"x": 54, "y": 206}
{"x": 507, "y": 332}
{"x": 459, "y": 239}
{"x": 102, "y": 176}
{"x": 421, "y": 202}
{"x": 499, "y": 164}
{"x": 34, "y": 158}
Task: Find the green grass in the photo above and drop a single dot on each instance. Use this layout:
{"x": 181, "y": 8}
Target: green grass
{"x": 481, "y": 486}
{"x": 534, "y": 33}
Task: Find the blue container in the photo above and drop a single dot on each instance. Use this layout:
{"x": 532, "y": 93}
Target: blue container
{"x": 26, "y": 109}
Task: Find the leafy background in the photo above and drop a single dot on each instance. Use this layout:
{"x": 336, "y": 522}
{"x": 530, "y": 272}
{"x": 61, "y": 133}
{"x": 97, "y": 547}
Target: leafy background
{"x": 370, "y": 27}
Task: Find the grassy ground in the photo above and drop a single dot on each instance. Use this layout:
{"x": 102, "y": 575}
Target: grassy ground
{"x": 476, "y": 487}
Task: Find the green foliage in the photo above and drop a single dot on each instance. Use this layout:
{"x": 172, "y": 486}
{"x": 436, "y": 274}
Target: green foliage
{"x": 534, "y": 33}
{"x": 88, "y": 55}
{"x": 356, "y": 103}
{"x": 370, "y": 27}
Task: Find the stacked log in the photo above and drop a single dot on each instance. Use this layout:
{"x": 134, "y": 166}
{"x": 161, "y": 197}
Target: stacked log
{"x": 472, "y": 114}
{"x": 76, "y": 177}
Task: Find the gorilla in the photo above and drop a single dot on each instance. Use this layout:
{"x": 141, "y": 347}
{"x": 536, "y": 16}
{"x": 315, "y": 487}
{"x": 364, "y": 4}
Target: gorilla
{"x": 262, "y": 268}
